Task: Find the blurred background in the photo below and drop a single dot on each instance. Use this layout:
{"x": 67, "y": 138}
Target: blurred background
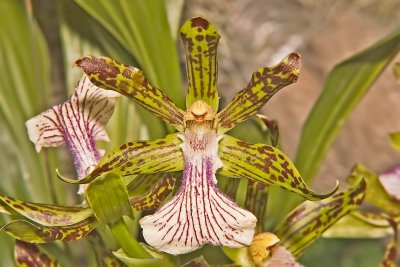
{"x": 40, "y": 39}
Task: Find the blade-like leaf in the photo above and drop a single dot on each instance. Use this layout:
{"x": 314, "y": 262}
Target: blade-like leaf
{"x": 156, "y": 195}
{"x": 263, "y": 85}
{"x": 200, "y": 40}
{"x": 376, "y": 194}
{"x": 310, "y": 220}
{"x": 390, "y": 258}
{"x": 109, "y": 74}
{"x": 344, "y": 88}
{"x": 104, "y": 256}
{"x": 27, "y": 254}
{"x": 29, "y": 232}
{"x": 108, "y": 198}
{"x": 134, "y": 262}
{"x": 265, "y": 164}
{"x": 161, "y": 155}
{"x": 47, "y": 215}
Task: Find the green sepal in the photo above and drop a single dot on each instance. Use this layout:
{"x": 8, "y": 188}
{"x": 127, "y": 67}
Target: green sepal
{"x": 390, "y": 257}
{"x": 265, "y": 164}
{"x": 310, "y": 220}
{"x": 33, "y": 233}
{"x": 256, "y": 201}
{"x": 109, "y": 74}
{"x": 30, "y": 255}
{"x": 200, "y": 40}
{"x": 263, "y": 85}
{"x": 109, "y": 199}
{"x": 376, "y": 194}
{"x": 157, "y": 192}
{"x": 139, "y": 157}
{"x": 104, "y": 256}
{"x": 359, "y": 224}
{"x": 47, "y": 215}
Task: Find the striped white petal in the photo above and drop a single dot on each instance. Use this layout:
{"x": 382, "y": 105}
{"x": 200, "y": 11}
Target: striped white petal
{"x": 78, "y": 123}
{"x": 199, "y": 213}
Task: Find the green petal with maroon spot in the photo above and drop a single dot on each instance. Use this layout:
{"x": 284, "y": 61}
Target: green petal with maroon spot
{"x": 139, "y": 157}
{"x": 109, "y": 74}
{"x": 256, "y": 201}
{"x": 390, "y": 257}
{"x": 263, "y": 85}
{"x": 200, "y": 39}
{"x": 265, "y": 164}
{"x": 27, "y": 255}
{"x": 160, "y": 188}
{"x": 33, "y": 233}
{"x": 310, "y": 220}
{"x": 48, "y": 215}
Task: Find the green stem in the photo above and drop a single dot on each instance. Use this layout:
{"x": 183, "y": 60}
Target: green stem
{"x": 130, "y": 245}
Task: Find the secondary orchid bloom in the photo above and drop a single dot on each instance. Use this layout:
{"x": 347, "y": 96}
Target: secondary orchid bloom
{"x": 77, "y": 123}
{"x": 199, "y": 213}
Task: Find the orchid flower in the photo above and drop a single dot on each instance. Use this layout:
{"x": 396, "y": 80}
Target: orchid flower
{"x": 199, "y": 213}
{"x": 78, "y": 123}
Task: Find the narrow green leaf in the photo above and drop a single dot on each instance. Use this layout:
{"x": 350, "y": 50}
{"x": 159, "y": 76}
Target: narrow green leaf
{"x": 156, "y": 195}
{"x": 32, "y": 233}
{"x": 110, "y": 74}
{"x": 104, "y": 256}
{"x": 346, "y": 84}
{"x": 108, "y": 198}
{"x": 134, "y": 262}
{"x": 310, "y": 220}
{"x": 47, "y": 215}
{"x": 265, "y": 164}
{"x": 27, "y": 255}
{"x": 375, "y": 194}
{"x": 395, "y": 140}
{"x": 390, "y": 258}
{"x": 140, "y": 157}
{"x": 263, "y": 85}
{"x": 396, "y": 70}
{"x": 200, "y": 40}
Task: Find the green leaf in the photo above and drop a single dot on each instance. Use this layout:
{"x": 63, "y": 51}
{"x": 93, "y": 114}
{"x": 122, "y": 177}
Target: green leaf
{"x": 32, "y": 233}
{"x": 108, "y": 198}
{"x": 396, "y": 70}
{"x": 360, "y": 225}
{"x": 265, "y": 164}
{"x": 200, "y": 40}
{"x": 47, "y": 215}
{"x": 140, "y": 157}
{"x": 346, "y": 84}
{"x": 375, "y": 194}
{"x": 27, "y": 254}
{"x": 310, "y": 220}
{"x": 142, "y": 28}
{"x": 157, "y": 193}
{"x": 256, "y": 201}
{"x": 104, "y": 256}
{"x": 263, "y": 85}
{"x": 395, "y": 140}
{"x": 110, "y": 74}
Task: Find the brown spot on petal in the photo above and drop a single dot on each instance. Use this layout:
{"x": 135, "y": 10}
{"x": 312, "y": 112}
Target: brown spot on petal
{"x": 200, "y": 22}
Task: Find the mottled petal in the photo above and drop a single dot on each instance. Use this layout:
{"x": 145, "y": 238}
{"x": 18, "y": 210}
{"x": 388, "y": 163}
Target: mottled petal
{"x": 140, "y": 157}
{"x": 27, "y": 254}
{"x": 199, "y": 213}
{"x": 200, "y": 39}
{"x": 265, "y": 164}
{"x": 263, "y": 85}
{"x": 129, "y": 81}
{"x": 390, "y": 257}
{"x": 256, "y": 200}
{"x": 78, "y": 123}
